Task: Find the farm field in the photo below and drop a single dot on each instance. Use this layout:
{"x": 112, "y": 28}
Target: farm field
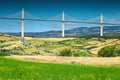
{"x": 24, "y": 70}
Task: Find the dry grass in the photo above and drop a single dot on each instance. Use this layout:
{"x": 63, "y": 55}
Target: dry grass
{"x": 72, "y": 60}
{"x": 53, "y": 39}
{"x": 100, "y": 45}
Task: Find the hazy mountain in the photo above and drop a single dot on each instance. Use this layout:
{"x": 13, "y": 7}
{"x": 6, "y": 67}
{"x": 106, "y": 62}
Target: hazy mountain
{"x": 80, "y": 31}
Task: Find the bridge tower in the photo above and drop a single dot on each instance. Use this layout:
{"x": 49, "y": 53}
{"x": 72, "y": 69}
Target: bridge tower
{"x": 101, "y": 25}
{"x": 22, "y": 33}
{"x": 63, "y": 18}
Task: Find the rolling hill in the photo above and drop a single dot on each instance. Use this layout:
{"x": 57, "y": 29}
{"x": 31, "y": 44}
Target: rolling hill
{"x": 80, "y": 31}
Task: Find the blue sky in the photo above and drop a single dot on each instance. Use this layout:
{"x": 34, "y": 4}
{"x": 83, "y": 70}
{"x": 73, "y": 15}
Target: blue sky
{"x": 81, "y": 10}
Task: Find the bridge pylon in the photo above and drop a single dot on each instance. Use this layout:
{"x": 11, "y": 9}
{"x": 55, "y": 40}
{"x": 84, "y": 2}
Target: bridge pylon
{"x": 22, "y": 33}
{"x": 101, "y": 25}
{"x": 63, "y": 25}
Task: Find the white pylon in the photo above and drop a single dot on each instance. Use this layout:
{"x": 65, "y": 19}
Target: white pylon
{"x": 63, "y": 18}
{"x": 101, "y": 25}
{"x": 22, "y": 34}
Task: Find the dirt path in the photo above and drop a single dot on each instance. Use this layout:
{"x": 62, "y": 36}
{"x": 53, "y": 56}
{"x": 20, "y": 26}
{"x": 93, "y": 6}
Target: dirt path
{"x": 71, "y": 60}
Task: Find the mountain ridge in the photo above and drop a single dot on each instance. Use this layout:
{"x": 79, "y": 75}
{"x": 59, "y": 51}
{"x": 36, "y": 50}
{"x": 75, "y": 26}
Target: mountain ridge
{"x": 75, "y": 32}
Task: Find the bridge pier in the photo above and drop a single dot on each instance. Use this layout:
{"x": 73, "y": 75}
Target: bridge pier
{"x": 22, "y": 33}
{"x": 101, "y": 25}
{"x": 63, "y": 18}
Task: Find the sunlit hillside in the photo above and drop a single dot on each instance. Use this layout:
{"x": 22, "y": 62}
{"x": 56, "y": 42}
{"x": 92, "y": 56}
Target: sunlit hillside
{"x": 53, "y": 46}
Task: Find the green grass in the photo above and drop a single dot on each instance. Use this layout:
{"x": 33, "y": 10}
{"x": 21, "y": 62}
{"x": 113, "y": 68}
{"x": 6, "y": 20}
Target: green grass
{"x": 74, "y": 44}
{"x": 53, "y": 46}
{"x": 5, "y": 45}
{"x": 23, "y": 70}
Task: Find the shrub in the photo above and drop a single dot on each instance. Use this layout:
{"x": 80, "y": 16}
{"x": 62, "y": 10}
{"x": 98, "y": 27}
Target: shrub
{"x": 118, "y": 50}
{"x": 15, "y": 53}
{"x": 85, "y": 54}
{"x": 36, "y": 53}
{"x": 3, "y": 54}
{"x": 76, "y": 54}
{"x": 108, "y": 51}
{"x": 66, "y": 52}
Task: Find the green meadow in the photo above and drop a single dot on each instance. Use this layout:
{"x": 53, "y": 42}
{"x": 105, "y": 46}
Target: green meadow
{"x": 23, "y": 70}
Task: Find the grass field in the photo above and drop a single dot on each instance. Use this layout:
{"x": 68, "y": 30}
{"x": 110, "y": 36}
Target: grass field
{"x": 23, "y": 70}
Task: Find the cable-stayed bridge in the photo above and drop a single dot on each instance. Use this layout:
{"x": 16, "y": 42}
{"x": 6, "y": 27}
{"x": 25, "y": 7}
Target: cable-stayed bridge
{"x": 62, "y": 18}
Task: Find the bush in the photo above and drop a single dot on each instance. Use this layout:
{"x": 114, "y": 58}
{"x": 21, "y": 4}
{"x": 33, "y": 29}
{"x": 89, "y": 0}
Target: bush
{"x": 36, "y": 53}
{"x": 76, "y": 54}
{"x": 66, "y": 52}
{"x": 118, "y": 50}
{"x": 3, "y": 54}
{"x": 6, "y": 52}
{"x": 108, "y": 51}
